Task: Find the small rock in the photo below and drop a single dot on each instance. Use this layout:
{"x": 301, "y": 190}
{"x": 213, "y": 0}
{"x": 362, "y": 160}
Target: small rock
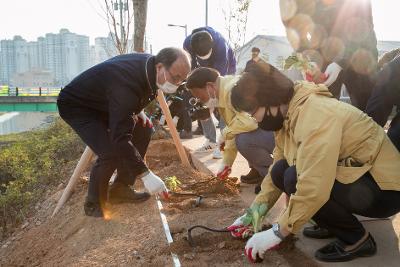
{"x": 38, "y": 223}
{"x": 25, "y": 225}
{"x": 136, "y": 255}
{"x": 221, "y": 245}
{"x": 194, "y": 203}
{"x": 189, "y": 256}
{"x": 4, "y": 246}
{"x": 13, "y": 238}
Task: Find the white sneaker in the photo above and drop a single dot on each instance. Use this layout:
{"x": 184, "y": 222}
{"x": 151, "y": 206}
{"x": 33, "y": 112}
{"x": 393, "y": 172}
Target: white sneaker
{"x": 217, "y": 153}
{"x": 207, "y": 147}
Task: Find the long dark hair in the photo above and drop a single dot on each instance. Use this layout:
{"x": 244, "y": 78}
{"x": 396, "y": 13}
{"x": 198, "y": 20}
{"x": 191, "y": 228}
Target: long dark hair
{"x": 262, "y": 85}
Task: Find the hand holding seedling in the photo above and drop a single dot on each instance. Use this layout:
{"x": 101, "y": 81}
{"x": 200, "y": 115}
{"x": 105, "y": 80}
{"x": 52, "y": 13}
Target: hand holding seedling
{"x": 310, "y": 70}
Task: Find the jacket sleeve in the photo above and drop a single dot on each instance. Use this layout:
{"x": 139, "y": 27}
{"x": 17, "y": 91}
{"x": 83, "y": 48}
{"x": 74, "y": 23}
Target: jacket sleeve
{"x": 240, "y": 123}
{"x": 122, "y": 104}
{"x": 188, "y": 48}
{"x": 269, "y": 193}
{"x": 318, "y": 136}
{"x": 246, "y": 69}
{"x": 385, "y": 93}
{"x": 221, "y": 60}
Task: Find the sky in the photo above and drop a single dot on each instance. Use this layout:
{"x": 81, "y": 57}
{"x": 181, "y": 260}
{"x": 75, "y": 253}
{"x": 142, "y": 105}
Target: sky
{"x": 31, "y": 19}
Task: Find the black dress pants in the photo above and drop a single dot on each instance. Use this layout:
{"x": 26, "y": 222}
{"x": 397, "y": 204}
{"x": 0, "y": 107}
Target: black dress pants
{"x": 92, "y": 128}
{"x": 363, "y": 197}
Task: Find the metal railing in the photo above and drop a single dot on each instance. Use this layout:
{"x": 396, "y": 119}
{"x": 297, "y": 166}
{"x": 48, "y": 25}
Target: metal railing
{"x": 16, "y": 91}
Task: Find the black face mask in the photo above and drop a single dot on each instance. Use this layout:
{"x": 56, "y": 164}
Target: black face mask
{"x": 271, "y": 123}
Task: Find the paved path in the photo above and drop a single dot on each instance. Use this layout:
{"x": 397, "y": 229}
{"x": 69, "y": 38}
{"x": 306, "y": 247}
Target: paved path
{"x": 385, "y": 232}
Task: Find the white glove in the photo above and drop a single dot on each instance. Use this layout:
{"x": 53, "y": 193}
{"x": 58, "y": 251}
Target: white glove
{"x": 259, "y": 243}
{"x": 332, "y": 72}
{"x": 238, "y": 221}
{"x": 153, "y": 183}
{"x": 175, "y": 120}
{"x": 145, "y": 120}
{"x": 223, "y": 171}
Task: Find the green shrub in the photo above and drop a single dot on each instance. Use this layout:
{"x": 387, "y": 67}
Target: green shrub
{"x": 30, "y": 164}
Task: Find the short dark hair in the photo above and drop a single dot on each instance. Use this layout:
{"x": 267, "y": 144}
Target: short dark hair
{"x": 201, "y": 43}
{"x": 255, "y": 49}
{"x": 167, "y": 56}
{"x": 261, "y": 87}
{"x": 200, "y": 77}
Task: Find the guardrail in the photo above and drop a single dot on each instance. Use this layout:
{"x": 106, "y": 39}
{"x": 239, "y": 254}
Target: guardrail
{"x": 16, "y": 91}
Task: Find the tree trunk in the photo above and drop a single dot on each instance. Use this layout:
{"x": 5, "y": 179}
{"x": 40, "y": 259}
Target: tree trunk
{"x": 140, "y": 18}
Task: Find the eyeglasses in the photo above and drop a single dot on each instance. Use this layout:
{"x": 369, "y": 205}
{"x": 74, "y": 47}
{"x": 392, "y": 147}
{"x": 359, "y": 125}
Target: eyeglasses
{"x": 175, "y": 79}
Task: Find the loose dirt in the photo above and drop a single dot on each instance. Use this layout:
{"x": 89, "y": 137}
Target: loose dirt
{"x": 220, "y": 207}
{"x": 132, "y": 234}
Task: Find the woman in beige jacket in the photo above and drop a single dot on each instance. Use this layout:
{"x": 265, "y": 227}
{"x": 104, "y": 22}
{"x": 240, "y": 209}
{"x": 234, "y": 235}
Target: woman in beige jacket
{"x": 330, "y": 158}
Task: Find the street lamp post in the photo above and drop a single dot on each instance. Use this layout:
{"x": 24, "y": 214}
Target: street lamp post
{"x": 206, "y": 12}
{"x": 180, "y": 26}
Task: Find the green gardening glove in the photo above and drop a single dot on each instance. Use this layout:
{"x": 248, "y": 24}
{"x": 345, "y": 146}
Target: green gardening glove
{"x": 255, "y": 215}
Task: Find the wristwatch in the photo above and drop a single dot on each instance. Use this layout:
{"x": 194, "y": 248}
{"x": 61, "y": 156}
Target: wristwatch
{"x": 277, "y": 232}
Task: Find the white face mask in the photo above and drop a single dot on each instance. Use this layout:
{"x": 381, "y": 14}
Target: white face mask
{"x": 206, "y": 56}
{"x": 167, "y": 87}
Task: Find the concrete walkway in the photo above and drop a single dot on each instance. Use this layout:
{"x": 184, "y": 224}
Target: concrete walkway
{"x": 385, "y": 232}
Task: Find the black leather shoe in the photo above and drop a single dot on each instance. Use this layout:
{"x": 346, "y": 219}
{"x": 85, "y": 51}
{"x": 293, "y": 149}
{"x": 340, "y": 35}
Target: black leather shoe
{"x": 335, "y": 251}
{"x": 121, "y": 193}
{"x": 253, "y": 177}
{"x": 317, "y": 232}
{"x": 93, "y": 209}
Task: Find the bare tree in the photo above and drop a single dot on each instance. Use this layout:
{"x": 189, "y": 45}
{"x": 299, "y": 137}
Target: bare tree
{"x": 236, "y": 13}
{"x": 121, "y": 16}
{"x": 140, "y": 17}
{"x": 119, "y": 27}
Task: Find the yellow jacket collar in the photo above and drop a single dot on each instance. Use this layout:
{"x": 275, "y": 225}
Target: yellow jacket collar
{"x": 302, "y": 90}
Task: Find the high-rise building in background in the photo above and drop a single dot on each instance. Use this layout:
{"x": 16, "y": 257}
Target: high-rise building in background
{"x": 66, "y": 55}
{"x": 21, "y": 54}
{"x": 61, "y": 56}
{"x": 92, "y": 54}
{"x": 7, "y": 60}
{"x": 104, "y": 48}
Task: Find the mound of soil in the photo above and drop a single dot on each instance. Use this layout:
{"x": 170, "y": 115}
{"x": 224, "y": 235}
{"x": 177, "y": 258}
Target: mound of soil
{"x": 129, "y": 237}
{"x": 164, "y": 161}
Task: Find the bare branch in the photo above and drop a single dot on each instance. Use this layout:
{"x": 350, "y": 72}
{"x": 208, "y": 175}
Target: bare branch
{"x": 131, "y": 12}
{"x": 236, "y": 14}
